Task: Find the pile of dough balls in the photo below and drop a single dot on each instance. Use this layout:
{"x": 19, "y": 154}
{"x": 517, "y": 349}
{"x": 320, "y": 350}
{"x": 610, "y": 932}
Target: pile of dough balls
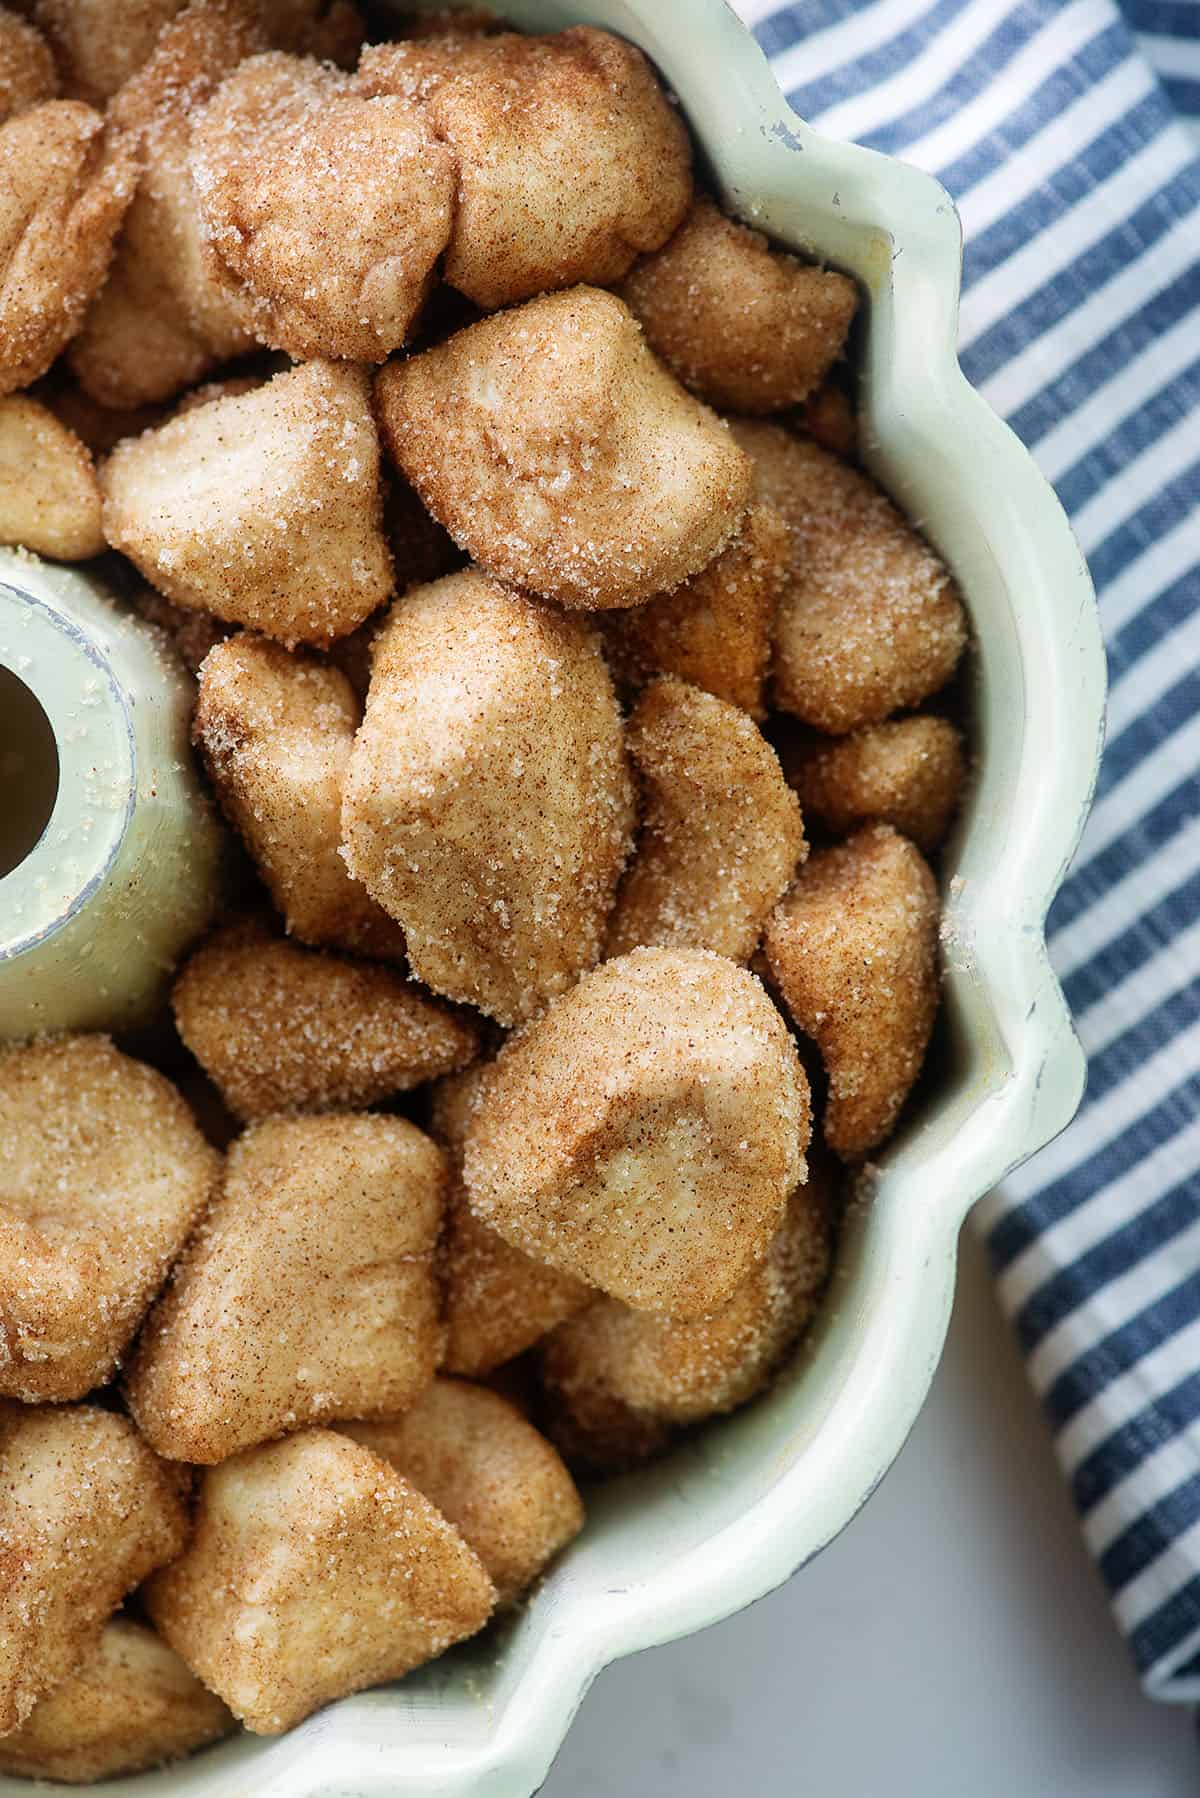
{"x": 562, "y": 680}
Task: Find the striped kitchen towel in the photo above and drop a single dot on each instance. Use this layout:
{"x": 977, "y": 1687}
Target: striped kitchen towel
{"x": 1065, "y": 130}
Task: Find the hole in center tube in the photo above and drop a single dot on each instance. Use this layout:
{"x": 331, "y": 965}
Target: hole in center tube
{"x": 28, "y": 771}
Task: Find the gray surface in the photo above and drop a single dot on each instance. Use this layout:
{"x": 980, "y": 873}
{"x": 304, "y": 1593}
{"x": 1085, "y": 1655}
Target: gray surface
{"x": 953, "y": 1643}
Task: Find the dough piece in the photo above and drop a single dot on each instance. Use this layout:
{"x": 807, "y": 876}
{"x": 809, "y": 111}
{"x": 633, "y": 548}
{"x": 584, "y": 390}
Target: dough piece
{"x": 871, "y": 620}
{"x": 132, "y": 1704}
{"x": 498, "y": 1301}
{"x": 489, "y": 1471}
{"x": 488, "y": 805}
{"x": 908, "y": 773}
{"x": 99, "y": 44}
{"x": 645, "y": 1132}
{"x": 86, "y": 1512}
{"x": 49, "y": 496}
{"x": 715, "y": 630}
{"x": 279, "y": 1028}
{"x": 264, "y": 508}
{"x": 27, "y": 72}
{"x": 828, "y": 418}
{"x": 561, "y": 454}
{"x": 101, "y": 428}
{"x": 611, "y": 1360}
{"x": 275, "y": 731}
{"x": 721, "y": 832}
{"x": 102, "y": 1175}
{"x": 325, "y": 211}
{"x": 64, "y": 188}
{"x": 315, "y": 1571}
{"x": 570, "y": 159}
{"x": 161, "y": 321}
{"x": 307, "y": 1294}
{"x": 853, "y": 951}
{"x": 748, "y": 328}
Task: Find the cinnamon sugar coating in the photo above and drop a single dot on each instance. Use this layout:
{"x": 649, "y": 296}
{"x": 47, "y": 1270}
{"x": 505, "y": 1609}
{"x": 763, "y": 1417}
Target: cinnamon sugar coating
{"x": 275, "y": 730}
{"x": 614, "y": 1374}
{"x": 489, "y": 1471}
{"x": 853, "y": 951}
{"x": 561, "y": 454}
{"x": 27, "y": 72}
{"x": 569, "y": 158}
{"x": 264, "y": 508}
{"x": 102, "y": 44}
{"x": 102, "y": 1175}
{"x": 487, "y": 803}
{"x": 715, "y": 629}
{"x": 99, "y": 44}
{"x": 65, "y": 184}
{"x": 908, "y": 773}
{"x": 498, "y": 1301}
{"x": 645, "y": 1131}
{"x": 315, "y": 1571}
{"x": 49, "y": 496}
{"x": 274, "y": 157}
{"x": 307, "y": 1294}
{"x": 871, "y": 620}
{"x": 86, "y": 1512}
{"x": 721, "y": 832}
{"x": 749, "y": 328}
{"x": 131, "y": 1704}
{"x": 828, "y": 417}
{"x": 161, "y": 321}
{"x": 280, "y": 1028}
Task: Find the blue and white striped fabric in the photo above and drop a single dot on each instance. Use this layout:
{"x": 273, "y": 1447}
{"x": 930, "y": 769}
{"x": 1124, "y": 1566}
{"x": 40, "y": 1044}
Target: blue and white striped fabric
{"x": 1065, "y": 131}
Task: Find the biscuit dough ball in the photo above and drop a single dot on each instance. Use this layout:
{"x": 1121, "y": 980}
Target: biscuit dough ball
{"x": 871, "y": 620}
{"x": 64, "y": 187}
{"x": 27, "y": 71}
{"x": 49, "y": 496}
{"x": 264, "y": 508}
{"x": 498, "y": 1301}
{"x": 315, "y": 1570}
{"x": 98, "y": 427}
{"x": 570, "y": 160}
{"x": 307, "y": 1294}
{"x": 161, "y": 321}
{"x": 853, "y": 952}
{"x": 489, "y": 1471}
{"x": 908, "y": 773}
{"x": 86, "y": 1512}
{"x": 611, "y": 1361}
{"x": 279, "y": 1028}
{"x": 596, "y": 1435}
{"x": 560, "y": 453}
{"x": 829, "y": 419}
{"x": 645, "y": 1132}
{"x": 275, "y": 731}
{"x": 488, "y": 803}
{"x": 102, "y": 1175}
{"x": 714, "y": 630}
{"x": 131, "y": 1704}
{"x": 330, "y": 30}
{"x": 325, "y": 211}
{"x": 721, "y": 832}
{"x": 99, "y": 44}
{"x": 748, "y": 328}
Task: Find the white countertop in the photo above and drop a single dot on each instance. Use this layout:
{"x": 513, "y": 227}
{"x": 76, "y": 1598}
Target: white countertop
{"x": 952, "y": 1643}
